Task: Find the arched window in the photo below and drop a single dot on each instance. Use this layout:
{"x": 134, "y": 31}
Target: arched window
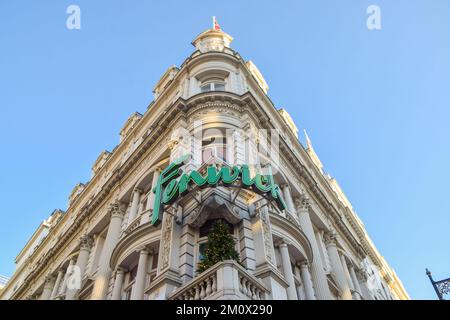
{"x": 213, "y": 80}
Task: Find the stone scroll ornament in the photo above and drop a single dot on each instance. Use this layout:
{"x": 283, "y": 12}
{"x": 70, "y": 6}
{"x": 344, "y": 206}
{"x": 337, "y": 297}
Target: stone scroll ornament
{"x": 168, "y": 187}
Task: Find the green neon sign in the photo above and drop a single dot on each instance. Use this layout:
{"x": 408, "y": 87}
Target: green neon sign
{"x": 169, "y": 187}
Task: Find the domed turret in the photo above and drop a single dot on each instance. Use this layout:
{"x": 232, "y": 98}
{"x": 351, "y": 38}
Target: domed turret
{"x": 213, "y": 39}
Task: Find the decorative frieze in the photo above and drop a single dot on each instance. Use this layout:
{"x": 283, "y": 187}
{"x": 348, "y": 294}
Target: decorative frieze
{"x": 267, "y": 235}
{"x": 166, "y": 240}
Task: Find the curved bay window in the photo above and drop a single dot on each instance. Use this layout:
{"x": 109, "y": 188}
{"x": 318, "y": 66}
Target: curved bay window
{"x": 214, "y": 144}
{"x": 212, "y": 80}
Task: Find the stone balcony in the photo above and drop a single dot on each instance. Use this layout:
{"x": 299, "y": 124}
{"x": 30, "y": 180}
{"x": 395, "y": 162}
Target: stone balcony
{"x": 226, "y": 280}
{"x": 132, "y": 226}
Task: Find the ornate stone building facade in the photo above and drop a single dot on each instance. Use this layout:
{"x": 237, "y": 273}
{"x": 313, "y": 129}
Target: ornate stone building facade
{"x": 109, "y": 244}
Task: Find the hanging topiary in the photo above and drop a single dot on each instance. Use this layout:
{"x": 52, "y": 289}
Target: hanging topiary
{"x": 219, "y": 247}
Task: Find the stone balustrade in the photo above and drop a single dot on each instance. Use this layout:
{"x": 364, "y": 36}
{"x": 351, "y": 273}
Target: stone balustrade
{"x": 225, "y": 280}
{"x": 133, "y": 225}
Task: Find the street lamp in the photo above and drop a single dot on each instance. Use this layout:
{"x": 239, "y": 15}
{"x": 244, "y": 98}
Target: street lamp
{"x": 441, "y": 287}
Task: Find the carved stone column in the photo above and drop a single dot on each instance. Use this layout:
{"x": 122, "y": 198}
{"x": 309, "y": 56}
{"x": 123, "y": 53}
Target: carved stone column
{"x": 355, "y": 281}
{"x": 81, "y": 264}
{"x": 67, "y": 274}
{"x": 287, "y": 270}
{"x": 104, "y": 272}
{"x": 300, "y": 286}
{"x": 57, "y": 284}
{"x": 306, "y": 279}
{"x": 362, "y": 274}
{"x": 134, "y": 205}
{"x": 118, "y": 284}
{"x": 288, "y": 198}
{"x": 346, "y": 271}
{"x": 48, "y": 286}
{"x": 336, "y": 265}
{"x": 151, "y": 198}
{"x": 141, "y": 274}
{"x": 317, "y": 271}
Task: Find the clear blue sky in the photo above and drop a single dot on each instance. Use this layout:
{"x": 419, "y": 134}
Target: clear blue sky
{"x": 375, "y": 103}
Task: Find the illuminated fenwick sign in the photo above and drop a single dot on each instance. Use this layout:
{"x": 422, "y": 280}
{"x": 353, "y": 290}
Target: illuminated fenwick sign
{"x": 169, "y": 187}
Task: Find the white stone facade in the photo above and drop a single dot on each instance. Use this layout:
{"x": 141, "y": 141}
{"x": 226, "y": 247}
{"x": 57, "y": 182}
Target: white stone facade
{"x": 315, "y": 249}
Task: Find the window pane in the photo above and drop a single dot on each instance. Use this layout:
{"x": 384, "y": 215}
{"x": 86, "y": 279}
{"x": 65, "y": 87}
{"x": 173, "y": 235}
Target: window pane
{"x": 201, "y": 251}
{"x": 219, "y": 87}
{"x": 206, "y": 87}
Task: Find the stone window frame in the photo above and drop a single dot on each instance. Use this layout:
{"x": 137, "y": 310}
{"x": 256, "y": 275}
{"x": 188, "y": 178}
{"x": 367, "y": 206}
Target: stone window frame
{"x": 200, "y": 240}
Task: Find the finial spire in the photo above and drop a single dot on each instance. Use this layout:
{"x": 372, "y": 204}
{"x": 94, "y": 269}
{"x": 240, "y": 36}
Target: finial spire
{"x": 216, "y": 25}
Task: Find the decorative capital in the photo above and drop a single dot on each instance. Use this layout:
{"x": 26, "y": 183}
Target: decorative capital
{"x": 281, "y": 242}
{"x": 121, "y": 270}
{"x": 49, "y": 280}
{"x": 303, "y": 203}
{"x": 116, "y": 209}
{"x": 330, "y": 238}
{"x": 362, "y": 275}
{"x": 144, "y": 250}
{"x": 303, "y": 264}
{"x": 86, "y": 242}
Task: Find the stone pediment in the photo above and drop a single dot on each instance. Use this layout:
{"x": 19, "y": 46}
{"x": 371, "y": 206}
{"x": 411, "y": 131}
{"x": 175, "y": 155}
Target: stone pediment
{"x": 215, "y": 206}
